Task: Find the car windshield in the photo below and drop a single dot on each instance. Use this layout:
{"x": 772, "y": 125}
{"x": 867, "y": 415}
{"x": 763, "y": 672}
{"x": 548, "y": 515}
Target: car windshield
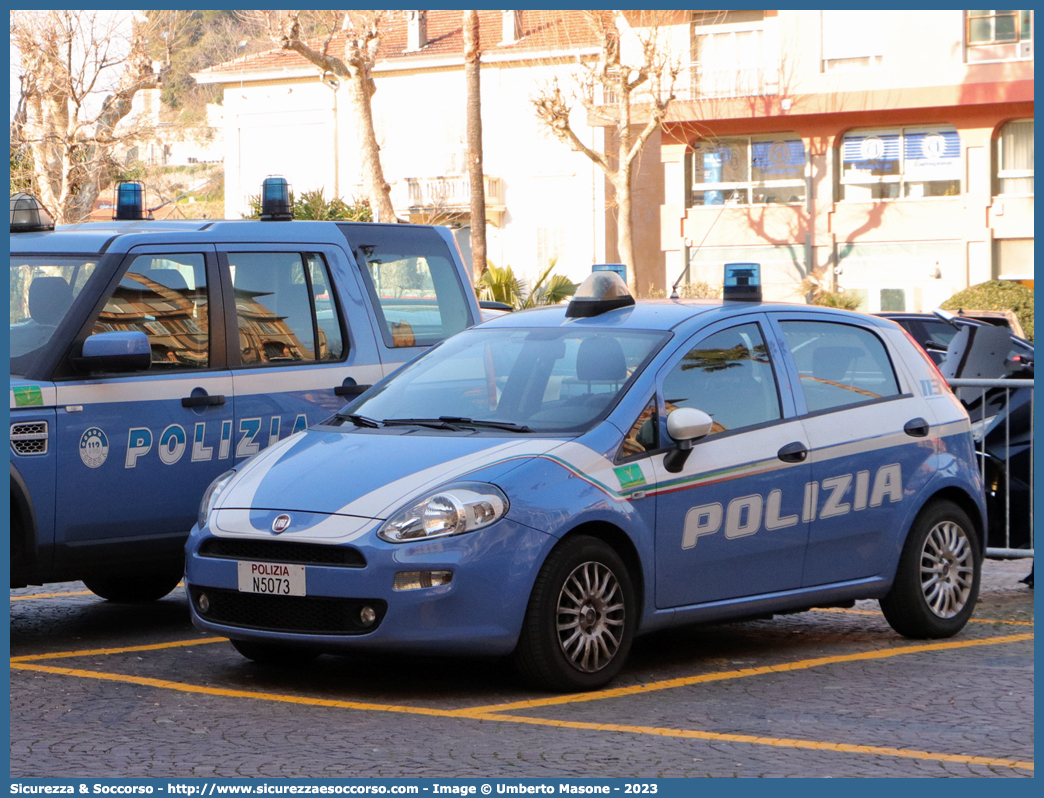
{"x": 543, "y": 380}
{"x": 42, "y": 291}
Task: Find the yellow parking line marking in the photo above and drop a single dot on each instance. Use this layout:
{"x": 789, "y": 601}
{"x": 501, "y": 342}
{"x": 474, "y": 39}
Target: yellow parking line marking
{"x": 68, "y": 593}
{"x": 52, "y": 595}
{"x": 991, "y": 621}
{"x": 798, "y": 665}
{"x": 95, "y": 652}
{"x": 164, "y": 684}
{"x": 778, "y": 742}
{"x": 647, "y": 730}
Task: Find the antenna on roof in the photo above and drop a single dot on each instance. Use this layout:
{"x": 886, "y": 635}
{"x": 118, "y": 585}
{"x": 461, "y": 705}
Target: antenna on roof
{"x": 674, "y": 288}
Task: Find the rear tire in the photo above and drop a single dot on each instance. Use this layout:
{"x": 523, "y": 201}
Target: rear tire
{"x": 278, "y": 655}
{"x": 580, "y": 620}
{"x": 937, "y": 581}
{"x": 135, "y": 588}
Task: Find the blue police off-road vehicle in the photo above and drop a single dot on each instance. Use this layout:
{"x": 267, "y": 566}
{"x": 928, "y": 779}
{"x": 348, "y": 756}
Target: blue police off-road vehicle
{"x": 555, "y": 481}
{"x": 149, "y": 357}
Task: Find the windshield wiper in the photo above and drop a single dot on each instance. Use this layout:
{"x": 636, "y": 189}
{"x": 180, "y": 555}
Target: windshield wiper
{"x": 359, "y": 421}
{"x": 471, "y": 422}
{"x": 434, "y": 423}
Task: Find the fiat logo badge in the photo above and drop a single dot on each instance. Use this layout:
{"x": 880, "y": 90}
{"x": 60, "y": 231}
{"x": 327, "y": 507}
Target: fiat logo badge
{"x": 281, "y": 523}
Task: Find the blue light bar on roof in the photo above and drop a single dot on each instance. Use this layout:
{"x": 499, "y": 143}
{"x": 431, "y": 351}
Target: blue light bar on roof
{"x": 275, "y": 200}
{"x": 742, "y": 282}
{"x": 130, "y": 201}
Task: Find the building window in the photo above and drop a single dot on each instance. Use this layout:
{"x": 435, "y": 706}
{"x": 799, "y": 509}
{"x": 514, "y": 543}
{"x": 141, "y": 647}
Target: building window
{"x": 910, "y": 162}
{"x": 748, "y": 171}
{"x": 852, "y": 39}
{"x": 998, "y": 35}
{"x": 1015, "y": 158}
{"x": 550, "y": 246}
{"x": 732, "y": 56}
{"x": 1013, "y": 259}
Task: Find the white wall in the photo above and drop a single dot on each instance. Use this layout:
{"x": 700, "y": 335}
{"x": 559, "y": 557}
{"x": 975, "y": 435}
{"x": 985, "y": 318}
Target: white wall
{"x": 420, "y": 123}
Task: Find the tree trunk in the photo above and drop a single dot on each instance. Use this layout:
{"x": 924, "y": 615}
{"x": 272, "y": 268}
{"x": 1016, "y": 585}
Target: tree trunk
{"x": 472, "y": 67}
{"x": 360, "y": 90}
{"x": 622, "y": 184}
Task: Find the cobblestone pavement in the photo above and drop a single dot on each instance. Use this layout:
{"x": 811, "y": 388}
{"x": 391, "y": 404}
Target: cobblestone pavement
{"x": 848, "y": 697}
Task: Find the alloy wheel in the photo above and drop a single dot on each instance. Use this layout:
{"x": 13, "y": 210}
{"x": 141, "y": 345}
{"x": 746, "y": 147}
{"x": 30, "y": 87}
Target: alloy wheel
{"x": 591, "y": 616}
{"x": 947, "y": 569}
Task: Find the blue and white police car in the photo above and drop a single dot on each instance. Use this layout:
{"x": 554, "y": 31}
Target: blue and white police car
{"x": 149, "y": 357}
{"x": 555, "y": 481}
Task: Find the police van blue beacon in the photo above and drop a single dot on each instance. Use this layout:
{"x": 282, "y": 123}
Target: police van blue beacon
{"x": 553, "y": 482}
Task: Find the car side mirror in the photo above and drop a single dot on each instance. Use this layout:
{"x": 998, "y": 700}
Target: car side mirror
{"x": 685, "y": 425}
{"x": 116, "y": 351}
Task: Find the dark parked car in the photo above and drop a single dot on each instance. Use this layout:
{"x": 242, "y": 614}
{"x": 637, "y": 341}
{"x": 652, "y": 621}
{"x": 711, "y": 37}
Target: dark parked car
{"x": 934, "y": 331}
{"x": 1001, "y": 419}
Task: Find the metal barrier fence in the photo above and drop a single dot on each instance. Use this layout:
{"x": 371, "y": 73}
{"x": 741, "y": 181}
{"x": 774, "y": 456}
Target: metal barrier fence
{"x": 1005, "y": 456}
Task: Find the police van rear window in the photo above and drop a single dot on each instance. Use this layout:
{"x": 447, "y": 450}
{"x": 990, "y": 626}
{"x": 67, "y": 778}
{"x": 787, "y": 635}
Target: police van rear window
{"x": 412, "y": 282}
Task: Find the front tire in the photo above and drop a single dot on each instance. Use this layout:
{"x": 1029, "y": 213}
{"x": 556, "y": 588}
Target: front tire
{"x": 135, "y": 588}
{"x": 580, "y": 620}
{"x": 937, "y": 581}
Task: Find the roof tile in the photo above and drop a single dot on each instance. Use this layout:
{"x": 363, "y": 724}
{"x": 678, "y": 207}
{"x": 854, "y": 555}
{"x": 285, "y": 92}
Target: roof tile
{"x": 541, "y": 31}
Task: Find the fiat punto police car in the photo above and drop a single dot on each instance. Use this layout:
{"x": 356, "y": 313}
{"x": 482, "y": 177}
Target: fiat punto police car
{"x": 553, "y": 482}
{"x": 148, "y": 357}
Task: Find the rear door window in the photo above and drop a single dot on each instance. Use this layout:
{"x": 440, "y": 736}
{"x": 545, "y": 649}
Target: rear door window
{"x": 839, "y": 364}
{"x": 286, "y": 312}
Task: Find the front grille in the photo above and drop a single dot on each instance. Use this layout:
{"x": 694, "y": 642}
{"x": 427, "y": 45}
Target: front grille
{"x": 285, "y": 551}
{"x": 29, "y": 438}
{"x": 304, "y": 614}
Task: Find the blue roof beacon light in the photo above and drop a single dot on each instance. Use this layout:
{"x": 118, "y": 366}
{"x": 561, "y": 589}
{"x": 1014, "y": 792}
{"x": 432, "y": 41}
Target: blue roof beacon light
{"x": 600, "y": 292}
{"x": 28, "y": 215}
{"x": 742, "y": 282}
{"x": 618, "y": 268}
{"x": 275, "y": 200}
{"x": 130, "y": 201}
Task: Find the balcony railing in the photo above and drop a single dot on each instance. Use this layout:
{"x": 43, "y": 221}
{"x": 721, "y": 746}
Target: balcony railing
{"x": 450, "y": 193}
{"x": 714, "y": 81}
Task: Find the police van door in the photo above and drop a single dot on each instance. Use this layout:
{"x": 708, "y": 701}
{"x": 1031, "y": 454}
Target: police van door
{"x": 869, "y": 445}
{"x": 730, "y": 523}
{"x": 301, "y": 347}
{"x": 136, "y": 451}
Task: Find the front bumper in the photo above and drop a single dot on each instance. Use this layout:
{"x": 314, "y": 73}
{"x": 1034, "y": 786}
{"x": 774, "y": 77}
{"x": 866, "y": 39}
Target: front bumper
{"x": 479, "y": 612}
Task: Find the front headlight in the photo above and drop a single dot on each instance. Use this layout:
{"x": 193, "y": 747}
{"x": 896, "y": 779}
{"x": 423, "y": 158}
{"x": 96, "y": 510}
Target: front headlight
{"x": 452, "y": 510}
{"x": 211, "y": 496}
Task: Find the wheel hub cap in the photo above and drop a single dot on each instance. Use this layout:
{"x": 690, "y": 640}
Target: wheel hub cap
{"x": 590, "y": 617}
{"x": 947, "y": 568}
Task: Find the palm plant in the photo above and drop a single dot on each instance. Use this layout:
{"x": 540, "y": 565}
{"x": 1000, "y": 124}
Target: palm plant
{"x": 500, "y": 285}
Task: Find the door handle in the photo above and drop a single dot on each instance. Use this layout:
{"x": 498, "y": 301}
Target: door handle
{"x": 795, "y": 452}
{"x": 916, "y": 428}
{"x": 203, "y": 400}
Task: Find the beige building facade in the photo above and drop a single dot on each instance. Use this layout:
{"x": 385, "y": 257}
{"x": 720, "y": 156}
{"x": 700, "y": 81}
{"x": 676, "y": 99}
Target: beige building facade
{"x": 890, "y": 153}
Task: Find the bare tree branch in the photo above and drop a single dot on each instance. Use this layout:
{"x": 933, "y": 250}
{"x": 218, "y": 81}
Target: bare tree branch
{"x": 633, "y": 74}
{"x": 360, "y": 37}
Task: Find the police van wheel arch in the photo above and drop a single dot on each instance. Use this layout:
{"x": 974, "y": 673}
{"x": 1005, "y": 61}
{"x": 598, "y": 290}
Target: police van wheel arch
{"x": 581, "y": 617}
{"x": 274, "y": 654}
{"x": 135, "y": 588}
{"x": 23, "y": 528}
{"x": 937, "y": 582}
